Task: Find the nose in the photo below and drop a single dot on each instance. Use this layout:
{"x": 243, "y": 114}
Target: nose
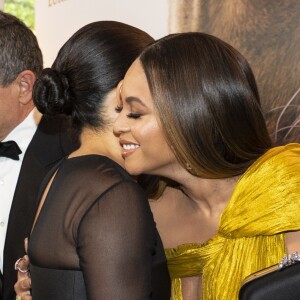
{"x": 121, "y": 125}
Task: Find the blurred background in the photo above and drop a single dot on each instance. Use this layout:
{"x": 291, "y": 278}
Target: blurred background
{"x": 266, "y": 32}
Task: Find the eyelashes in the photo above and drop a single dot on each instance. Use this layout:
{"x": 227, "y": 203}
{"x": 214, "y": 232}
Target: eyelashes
{"x": 118, "y": 108}
{"x": 133, "y": 115}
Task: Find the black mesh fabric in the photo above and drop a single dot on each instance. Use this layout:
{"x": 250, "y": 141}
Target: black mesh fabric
{"x": 95, "y": 237}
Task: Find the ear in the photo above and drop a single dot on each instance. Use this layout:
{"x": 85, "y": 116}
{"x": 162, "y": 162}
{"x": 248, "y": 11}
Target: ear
{"x": 26, "y": 80}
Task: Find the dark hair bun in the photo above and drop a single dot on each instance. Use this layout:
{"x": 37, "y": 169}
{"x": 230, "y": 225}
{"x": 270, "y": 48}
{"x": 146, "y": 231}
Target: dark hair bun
{"x": 51, "y": 93}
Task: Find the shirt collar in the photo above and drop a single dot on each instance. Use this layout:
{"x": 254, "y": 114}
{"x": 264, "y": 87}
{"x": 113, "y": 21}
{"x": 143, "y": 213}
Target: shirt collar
{"x": 25, "y": 131}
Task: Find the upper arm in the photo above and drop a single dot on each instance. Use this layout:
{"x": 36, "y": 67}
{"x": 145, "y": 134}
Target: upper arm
{"x": 115, "y": 245}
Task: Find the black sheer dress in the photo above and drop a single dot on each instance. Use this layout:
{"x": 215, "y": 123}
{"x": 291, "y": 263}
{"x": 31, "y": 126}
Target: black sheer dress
{"x": 95, "y": 237}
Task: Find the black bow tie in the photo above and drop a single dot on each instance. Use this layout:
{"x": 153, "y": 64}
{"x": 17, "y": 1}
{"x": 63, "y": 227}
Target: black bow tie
{"x": 10, "y": 149}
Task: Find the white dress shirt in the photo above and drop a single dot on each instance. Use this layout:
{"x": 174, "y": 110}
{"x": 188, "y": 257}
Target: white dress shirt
{"x": 10, "y": 169}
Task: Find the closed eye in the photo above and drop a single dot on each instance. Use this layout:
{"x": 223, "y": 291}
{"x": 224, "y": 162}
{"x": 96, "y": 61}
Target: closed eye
{"x": 134, "y": 115}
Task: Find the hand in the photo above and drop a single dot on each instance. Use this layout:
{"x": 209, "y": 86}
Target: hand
{"x": 23, "y": 285}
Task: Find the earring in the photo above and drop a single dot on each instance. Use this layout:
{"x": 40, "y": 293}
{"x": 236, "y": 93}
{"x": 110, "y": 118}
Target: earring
{"x": 188, "y": 167}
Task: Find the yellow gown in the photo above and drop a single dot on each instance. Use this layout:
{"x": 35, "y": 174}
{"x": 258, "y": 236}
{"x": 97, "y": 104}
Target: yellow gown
{"x": 265, "y": 204}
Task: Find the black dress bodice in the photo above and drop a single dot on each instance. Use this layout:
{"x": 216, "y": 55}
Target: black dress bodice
{"x": 95, "y": 237}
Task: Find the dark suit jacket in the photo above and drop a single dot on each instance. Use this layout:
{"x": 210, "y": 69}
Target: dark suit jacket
{"x": 53, "y": 140}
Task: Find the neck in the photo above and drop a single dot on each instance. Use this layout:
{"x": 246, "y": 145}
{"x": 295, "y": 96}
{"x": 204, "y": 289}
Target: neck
{"x": 25, "y": 111}
{"x": 210, "y": 196}
{"x": 100, "y": 143}
{"x": 16, "y": 120}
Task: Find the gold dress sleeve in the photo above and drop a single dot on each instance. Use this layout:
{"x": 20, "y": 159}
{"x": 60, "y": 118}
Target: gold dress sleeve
{"x": 251, "y": 236}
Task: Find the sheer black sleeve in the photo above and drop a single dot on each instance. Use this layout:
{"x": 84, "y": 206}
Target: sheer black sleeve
{"x": 116, "y": 243}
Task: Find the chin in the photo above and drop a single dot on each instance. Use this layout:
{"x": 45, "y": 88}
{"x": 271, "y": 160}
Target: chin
{"x": 120, "y": 161}
{"x": 132, "y": 170}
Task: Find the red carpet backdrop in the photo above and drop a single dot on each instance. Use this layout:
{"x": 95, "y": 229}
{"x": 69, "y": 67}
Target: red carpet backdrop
{"x": 268, "y": 34}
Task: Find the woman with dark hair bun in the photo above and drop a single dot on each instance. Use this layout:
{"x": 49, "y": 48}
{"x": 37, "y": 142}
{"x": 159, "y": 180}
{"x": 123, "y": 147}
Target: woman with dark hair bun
{"x": 94, "y": 236}
{"x": 190, "y": 112}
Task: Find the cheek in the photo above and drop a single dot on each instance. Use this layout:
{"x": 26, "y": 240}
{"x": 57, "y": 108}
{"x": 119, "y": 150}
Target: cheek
{"x": 111, "y": 115}
{"x": 115, "y": 149}
{"x": 152, "y": 140}
{"x": 148, "y": 131}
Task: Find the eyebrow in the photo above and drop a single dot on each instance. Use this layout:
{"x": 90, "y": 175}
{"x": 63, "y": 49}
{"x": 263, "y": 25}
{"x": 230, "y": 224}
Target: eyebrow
{"x": 131, "y": 99}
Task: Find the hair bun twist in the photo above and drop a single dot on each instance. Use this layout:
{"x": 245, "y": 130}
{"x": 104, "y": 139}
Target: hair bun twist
{"x": 51, "y": 93}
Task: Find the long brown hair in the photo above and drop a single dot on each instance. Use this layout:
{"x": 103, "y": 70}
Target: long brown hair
{"x": 207, "y": 100}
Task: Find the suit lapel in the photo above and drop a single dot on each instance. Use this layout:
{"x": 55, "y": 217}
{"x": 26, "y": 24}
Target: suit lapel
{"x": 50, "y": 143}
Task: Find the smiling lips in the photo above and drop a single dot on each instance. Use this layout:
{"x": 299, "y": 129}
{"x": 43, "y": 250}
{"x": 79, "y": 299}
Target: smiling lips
{"x": 128, "y": 148}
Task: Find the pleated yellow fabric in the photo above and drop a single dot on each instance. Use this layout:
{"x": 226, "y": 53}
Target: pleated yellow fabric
{"x": 264, "y": 205}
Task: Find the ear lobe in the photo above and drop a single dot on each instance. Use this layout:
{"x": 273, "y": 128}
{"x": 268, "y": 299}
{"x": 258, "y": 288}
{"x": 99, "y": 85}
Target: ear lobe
{"x": 26, "y": 80}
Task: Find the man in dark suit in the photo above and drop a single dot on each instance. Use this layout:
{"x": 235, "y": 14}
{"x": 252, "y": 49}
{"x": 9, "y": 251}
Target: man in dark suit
{"x": 41, "y": 141}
